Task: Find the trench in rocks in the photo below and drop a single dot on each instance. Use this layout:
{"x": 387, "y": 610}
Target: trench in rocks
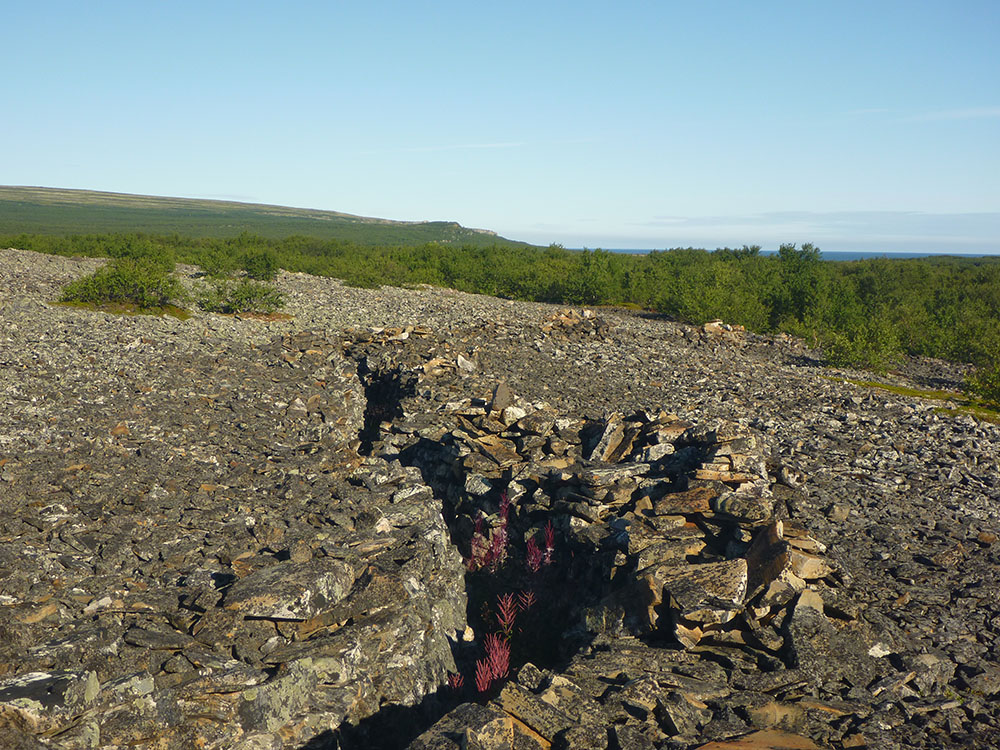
{"x": 547, "y": 633}
{"x": 553, "y": 598}
{"x": 671, "y": 534}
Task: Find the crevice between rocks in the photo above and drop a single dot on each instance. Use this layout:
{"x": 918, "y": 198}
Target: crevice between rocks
{"x": 385, "y": 388}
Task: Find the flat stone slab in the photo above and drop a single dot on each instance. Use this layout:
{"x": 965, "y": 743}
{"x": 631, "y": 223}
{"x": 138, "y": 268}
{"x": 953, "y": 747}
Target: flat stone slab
{"x": 770, "y": 739}
{"x": 291, "y": 591}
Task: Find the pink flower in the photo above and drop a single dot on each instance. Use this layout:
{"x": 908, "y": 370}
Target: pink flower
{"x": 550, "y": 541}
{"x": 484, "y": 675}
{"x": 495, "y": 664}
{"x": 526, "y": 599}
{"x": 497, "y": 655}
{"x": 497, "y": 552}
{"x": 504, "y": 508}
{"x": 534, "y": 555}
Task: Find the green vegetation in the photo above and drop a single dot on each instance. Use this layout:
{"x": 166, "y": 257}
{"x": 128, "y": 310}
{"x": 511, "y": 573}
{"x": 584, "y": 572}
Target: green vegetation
{"x": 863, "y": 313}
{"x": 989, "y": 411}
{"x": 54, "y": 211}
{"x": 140, "y": 276}
{"x": 142, "y": 282}
{"x": 984, "y": 383}
{"x": 260, "y": 265}
{"x": 246, "y": 295}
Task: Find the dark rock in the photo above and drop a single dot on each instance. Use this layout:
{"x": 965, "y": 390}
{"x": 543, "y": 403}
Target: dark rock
{"x": 161, "y": 480}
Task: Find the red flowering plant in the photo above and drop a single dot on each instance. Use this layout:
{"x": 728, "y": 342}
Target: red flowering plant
{"x": 503, "y": 580}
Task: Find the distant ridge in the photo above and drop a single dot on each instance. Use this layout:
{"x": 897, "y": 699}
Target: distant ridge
{"x": 43, "y": 210}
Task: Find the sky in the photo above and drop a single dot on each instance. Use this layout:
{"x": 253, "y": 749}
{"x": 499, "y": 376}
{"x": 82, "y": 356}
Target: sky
{"x": 854, "y": 125}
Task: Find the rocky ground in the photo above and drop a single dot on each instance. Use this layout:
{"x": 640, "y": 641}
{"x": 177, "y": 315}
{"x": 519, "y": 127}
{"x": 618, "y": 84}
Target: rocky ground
{"x": 236, "y": 533}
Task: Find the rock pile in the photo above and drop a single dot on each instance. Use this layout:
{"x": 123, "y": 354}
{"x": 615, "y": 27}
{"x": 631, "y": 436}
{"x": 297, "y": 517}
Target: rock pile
{"x": 236, "y": 533}
{"x": 682, "y": 543}
{"x": 575, "y": 324}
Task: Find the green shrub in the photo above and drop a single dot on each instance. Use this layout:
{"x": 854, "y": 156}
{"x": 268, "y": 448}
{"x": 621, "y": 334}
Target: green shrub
{"x": 138, "y": 248}
{"x": 871, "y": 345}
{"x": 217, "y": 262}
{"x": 261, "y": 265}
{"x": 137, "y": 281}
{"x": 984, "y": 383}
{"x": 244, "y": 296}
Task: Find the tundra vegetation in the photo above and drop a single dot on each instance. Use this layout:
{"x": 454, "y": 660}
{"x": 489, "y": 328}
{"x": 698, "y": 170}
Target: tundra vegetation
{"x": 864, "y": 313}
{"x": 140, "y": 275}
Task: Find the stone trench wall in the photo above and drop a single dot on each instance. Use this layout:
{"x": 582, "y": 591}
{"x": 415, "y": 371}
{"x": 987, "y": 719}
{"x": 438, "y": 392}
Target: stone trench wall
{"x": 682, "y": 604}
{"x": 677, "y": 574}
{"x": 275, "y": 549}
{"x": 196, "y": 555}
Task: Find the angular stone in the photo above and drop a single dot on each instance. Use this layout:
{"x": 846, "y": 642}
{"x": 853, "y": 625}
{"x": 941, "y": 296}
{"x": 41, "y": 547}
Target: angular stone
{"x": 512, "y": 414}
{"x": 708, "y": 593}
{"x": 697, "y": 500}
{"x": 156, "y": 639}
{"x": 682, "y": 715}
{"x": 776, "y": 714}
{"x": 812, "y": 639}
{"x": 565, "y": 696}
{"x": 477, "y": 485}
{"x": 291, "y": 591}
{"x": 713, "y": 431}
{"x": 656, "y": 452}
{"x": 671, "y": 430}
{"x": 987, "y": 681}
{"x": 537, "y": 423}
{"x": 747, "y": 507}
{"x": 542, "y": 717}
{"x": 610, "y": 475}
{"x": 608, "y": 441}
{"x": 807, "y": 566}
{"x": 589, "y": 737}
{"x": 722, "y": 475}
{"x": 634, "y": 737}
{"x": 502, "y": 397}
{"x": 770, "y": 564}
{"x": 502, "y": 452}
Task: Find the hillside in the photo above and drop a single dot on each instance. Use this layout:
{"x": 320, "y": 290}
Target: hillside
{"x": 309, "y": 534}
{"x": 39, "y": 210}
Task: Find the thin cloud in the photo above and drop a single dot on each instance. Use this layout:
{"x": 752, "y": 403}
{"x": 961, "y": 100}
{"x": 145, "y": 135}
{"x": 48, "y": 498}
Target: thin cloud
{"x": 869, "y": 111}
{"x": 466, "y": 146}
{"x": 482, "y": 146}
{"x": 968, "y": 113}
{"x": 447, "y": 147}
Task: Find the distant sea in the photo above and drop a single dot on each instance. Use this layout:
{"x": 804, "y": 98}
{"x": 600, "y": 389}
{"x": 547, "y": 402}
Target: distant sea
{"x": 846, "y": 255}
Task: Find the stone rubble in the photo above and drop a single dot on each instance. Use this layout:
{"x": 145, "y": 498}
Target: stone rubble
{"x": 250, "y": 534}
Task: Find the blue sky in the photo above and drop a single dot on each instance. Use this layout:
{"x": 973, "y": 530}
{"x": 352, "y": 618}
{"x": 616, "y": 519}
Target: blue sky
{"x": 852, "y": 125}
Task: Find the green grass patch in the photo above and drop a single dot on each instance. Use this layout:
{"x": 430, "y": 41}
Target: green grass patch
{"x": 984, "y": 383}
{"x": 53, "y": 211}
{"x": 963, "y": 404}
{"x": 126, "y": 308}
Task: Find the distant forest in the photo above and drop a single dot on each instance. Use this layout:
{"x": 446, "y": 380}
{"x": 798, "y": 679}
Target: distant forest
{"x": 864, "y": 313}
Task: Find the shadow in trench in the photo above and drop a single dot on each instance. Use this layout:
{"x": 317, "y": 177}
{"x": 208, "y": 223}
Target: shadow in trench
{"x": 393, "y": 727}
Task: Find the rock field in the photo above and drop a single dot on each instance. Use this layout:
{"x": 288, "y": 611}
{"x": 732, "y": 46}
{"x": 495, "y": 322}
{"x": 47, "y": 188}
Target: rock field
{"x": 429, "y": 519}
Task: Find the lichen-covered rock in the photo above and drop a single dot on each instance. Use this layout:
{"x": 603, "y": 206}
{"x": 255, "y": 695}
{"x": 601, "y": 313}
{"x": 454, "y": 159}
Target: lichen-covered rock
{"x": 291, "y": 591}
